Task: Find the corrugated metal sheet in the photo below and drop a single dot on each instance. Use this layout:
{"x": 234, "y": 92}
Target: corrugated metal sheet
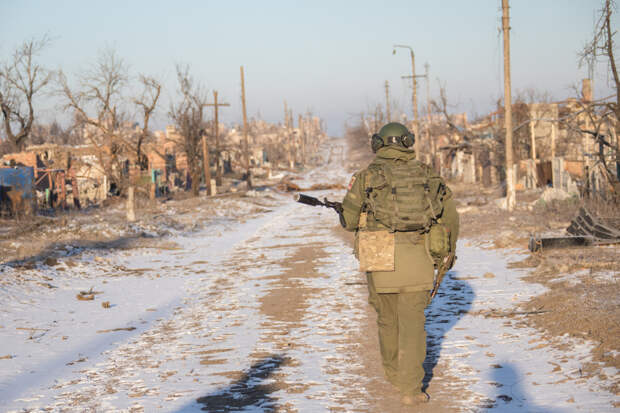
{"x": 19, "y": 179}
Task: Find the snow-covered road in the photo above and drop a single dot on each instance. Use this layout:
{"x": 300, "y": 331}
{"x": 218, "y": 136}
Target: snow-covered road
{"x": 198, "y": 317}
{"x": 266, "y": 314}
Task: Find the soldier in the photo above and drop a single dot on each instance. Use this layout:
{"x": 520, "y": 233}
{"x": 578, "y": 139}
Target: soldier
{"x": 406, "y": 226}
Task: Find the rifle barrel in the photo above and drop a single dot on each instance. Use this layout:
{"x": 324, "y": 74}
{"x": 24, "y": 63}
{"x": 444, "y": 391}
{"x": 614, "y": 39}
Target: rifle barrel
{"x": 308, "y": 200}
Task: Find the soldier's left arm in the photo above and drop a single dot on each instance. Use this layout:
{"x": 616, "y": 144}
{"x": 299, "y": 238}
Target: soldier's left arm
{"x": 451, "y": 218}
{"x": 352, "y": 203}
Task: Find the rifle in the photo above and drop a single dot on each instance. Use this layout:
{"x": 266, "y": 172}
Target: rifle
{"x": 312, "y": 201}
{"x": 442, "y": 269}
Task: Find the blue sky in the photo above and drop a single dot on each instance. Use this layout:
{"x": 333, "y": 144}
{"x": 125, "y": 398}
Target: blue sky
{"x": 330, "y": 57}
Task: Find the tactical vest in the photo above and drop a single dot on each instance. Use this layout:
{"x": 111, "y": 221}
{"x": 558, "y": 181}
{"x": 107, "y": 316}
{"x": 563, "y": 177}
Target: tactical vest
{"x": 403, "y": 195}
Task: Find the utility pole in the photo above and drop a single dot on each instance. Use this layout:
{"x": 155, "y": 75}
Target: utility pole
{"x": 416, "y": 124}
{"x": 532, "y": 137}
{"x": 553, "y": 138}
{"x": 288, "y": 125}
{"x": 205, "y": 163}
{"x": 510, "y": 172}
{"x": 302, "y": 139}
{"x": 286, "y": 115}
{"x": 216, "y": 133}
{"x": 431, "y": 141}
{"x": 245, "y": 133}
{"x": 414, "y": 95}
{"x": 415, "y": 90}
{"x": 387, "y": 102}
{"x": 428, "y": 89}
{"x": 290, "y": 118}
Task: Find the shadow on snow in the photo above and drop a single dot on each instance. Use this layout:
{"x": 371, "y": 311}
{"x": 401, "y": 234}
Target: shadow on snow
{"x": 77, "y": 246}
{"x": 249, "y": 391}
{"x": 452, "y": 301}
{"x": 510, "y": 396}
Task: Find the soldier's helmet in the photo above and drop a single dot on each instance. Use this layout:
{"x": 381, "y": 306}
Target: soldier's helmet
{"x": 393, "y": 133}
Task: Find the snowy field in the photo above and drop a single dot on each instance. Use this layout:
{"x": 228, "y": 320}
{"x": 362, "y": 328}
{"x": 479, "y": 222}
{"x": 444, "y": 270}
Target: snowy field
{"x": 206, "y": 325}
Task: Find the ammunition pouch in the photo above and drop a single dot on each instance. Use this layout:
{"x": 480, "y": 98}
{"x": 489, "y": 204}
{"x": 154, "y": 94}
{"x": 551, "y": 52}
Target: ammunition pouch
{"x": 375, "y": 250}
{"x": 439, "y": 242}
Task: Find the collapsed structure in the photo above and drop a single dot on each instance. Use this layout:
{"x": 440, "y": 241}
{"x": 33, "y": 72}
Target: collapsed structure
{"x": 567, "y": 145}
{"x": 77, "y": 176}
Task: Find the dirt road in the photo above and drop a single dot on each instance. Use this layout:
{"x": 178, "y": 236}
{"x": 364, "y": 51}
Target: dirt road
{"x": 267, "y": 312}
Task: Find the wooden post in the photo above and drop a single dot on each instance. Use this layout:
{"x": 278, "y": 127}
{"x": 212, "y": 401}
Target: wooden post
{"x": 416, "y": 129}
{"x": 51, "y": 185}
{"x": 58, "y": 189}
{"x": 212, "y": 187}
{"x": 428, "y": 109}
{"x": 414, "y": 96}
{"x": 532, "y": 137}
{"x": 245, "y": 133}
{"x": 153, "y": 186}
{"x": 104, "y": 188}
{"x": 74, "y": 189}
{"x": 510, "y": 171}
{"x": 288, "y": 134}
{"x": 302, "y": 138}
{"x": 291, "y": 138}
{"x": 63, "y": 189}
{"x": 553, "y": 137}
{"x": 216, "y": 133}
{"x": 131, "y": 213}
{"x": 205, "y": 163}
{"x": 290, "y": 118}
{"x": 216, "y": 130}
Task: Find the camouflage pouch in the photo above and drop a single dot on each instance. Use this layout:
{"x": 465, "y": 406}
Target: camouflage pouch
{"x": 361, "y": 225}
{"x": 376, "y": 250}
{"x": 439, "y": 241}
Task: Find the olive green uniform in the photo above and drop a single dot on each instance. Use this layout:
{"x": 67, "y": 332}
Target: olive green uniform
{"x": 400, "y": 296}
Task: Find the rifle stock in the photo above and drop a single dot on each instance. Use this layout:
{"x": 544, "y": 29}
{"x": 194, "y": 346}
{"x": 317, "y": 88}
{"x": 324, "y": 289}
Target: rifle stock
{"x": 443, "y": 268}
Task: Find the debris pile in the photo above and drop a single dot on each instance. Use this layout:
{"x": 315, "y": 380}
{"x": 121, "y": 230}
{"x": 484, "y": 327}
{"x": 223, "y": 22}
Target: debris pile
{"x": 584, "y": 230}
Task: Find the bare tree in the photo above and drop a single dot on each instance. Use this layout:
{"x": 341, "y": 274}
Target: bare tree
{"x": 21, "y": 79}
{"x": 147, "y": 102}
{"x": 188, "y": 116}
{"x": 486, "y": 142}
{"x": 457, "y": 136}
{"x": 602, "y": 45}
{"x": 100, "y": 94}
{"x": 597, "y": 120}
{"x": 441, "y": 106}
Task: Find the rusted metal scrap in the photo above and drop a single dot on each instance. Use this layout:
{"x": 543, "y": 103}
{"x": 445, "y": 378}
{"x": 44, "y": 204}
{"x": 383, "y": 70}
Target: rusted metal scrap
{"x": 585, "y": 230}
{"x": 538, "y": 243}
{"x": 587, "y": 225}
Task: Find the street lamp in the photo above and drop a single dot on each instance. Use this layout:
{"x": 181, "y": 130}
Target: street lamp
{"x": 413, "y": 77}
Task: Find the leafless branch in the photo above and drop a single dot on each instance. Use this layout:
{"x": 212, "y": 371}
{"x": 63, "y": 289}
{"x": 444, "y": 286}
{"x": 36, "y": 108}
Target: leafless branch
{"x": 21, "y": 79}
{"x": 188, "y": 116}
{"x": 98, "y": 103}
{"x": 147, "y": 102}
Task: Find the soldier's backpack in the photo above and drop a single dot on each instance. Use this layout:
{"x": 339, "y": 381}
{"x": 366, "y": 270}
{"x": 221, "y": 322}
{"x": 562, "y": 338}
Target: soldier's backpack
{"x": 404, "y": 196}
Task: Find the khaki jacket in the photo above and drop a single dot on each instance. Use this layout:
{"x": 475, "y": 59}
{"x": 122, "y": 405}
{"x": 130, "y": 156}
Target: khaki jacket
{"x": 413, "y": 265}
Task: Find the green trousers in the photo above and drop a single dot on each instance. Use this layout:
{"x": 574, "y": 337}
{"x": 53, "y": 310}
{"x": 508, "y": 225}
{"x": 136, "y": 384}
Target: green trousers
{"x": 402, "y": 338}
